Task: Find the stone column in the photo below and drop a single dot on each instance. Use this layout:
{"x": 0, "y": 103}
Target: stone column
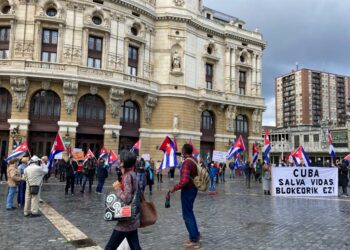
{"x": 228, "y": 69}
{"x": 61, "y": 34}
{"x": 111, "y": 137}
{"x": 233, "y": 71}
{"x": 259, "y": 74}
{"x": 68, "y": 129}
{"x": 254, "y": 74}
{"x": 38, "y": 39}
{"x": 22, "y": 125}
{"x": 84, "y": 49}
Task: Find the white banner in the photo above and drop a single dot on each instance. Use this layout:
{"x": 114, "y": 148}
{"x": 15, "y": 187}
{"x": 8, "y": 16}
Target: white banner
{"x": 146, "y": 157}
{"x": 219, "y": 156}
{"x": 304, "y": 181}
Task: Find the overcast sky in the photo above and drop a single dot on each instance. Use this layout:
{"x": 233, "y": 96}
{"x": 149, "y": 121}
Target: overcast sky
{"x": 314, "y": 33}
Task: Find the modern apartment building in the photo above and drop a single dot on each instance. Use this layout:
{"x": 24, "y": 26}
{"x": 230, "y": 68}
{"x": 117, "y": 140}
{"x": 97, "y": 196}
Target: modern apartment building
{"x": 306, "y": 97}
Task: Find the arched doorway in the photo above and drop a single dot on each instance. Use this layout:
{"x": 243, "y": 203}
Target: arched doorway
{"x": 91, "y": 118}
{"x": 5, "y": 114}
{"x": 44, "y": 113}
{"x": 130, "y": 122}
{"x": 208, "y": 135}
{"x": 242, "y": 128}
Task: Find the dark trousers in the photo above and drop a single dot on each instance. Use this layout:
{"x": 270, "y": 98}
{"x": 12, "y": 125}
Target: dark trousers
{"x": 188, "y": 197}
{"x": 70, "y": 184}
{"x": 21, "y": 193}
{"x": 172, "y": 172}
{"x": 100, "y": 184}
{"x": 345, "y": 189}
{"x": 62, "y": 175}
{"x": 3, "y": 173}
{"x": 79, "y": 178}
{"x": 117, "y": 238}
{"x": 89, "y": 178}
{"x": 159, "y": 177}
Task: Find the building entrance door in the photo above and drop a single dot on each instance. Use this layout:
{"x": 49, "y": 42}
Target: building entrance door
{"x": 125, "y": 144}
{"x": 4, "y": 142}
{"x": 92, "y": 142}
{"x": 206, "y": 152}
{"x": 41, "y": 143}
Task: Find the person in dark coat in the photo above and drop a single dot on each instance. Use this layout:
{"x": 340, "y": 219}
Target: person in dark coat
{"x": 102, "y": 174}
{"x": 3, "y": 168}
{"x": 248, "y": 170}
{"x": 344, "y": 177}
{"x": 150, "y": 175}
{"x": 71, "y": 168}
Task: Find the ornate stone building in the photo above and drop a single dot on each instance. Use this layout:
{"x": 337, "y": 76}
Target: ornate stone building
{"x": 106, "y": 72}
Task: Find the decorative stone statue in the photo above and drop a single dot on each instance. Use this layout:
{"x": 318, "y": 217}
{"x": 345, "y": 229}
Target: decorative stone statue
{"x": 176, "y": 122}
{"x": 176, "y": 61}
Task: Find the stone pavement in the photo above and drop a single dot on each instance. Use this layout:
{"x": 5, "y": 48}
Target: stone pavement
{"x": 237, "y": 218}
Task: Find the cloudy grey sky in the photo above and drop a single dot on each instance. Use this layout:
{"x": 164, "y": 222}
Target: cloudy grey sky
{"x": 314, "y": 33}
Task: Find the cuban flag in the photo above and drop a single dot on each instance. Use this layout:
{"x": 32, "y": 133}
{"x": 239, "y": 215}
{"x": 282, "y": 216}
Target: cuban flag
{"x": 195, "y": 152}
{"x": 20, "y": 150}
{"x": 237, "y": 162}
{"x": 331, "y": 148}
{"x": 103, "y": 153}
{"x": 112, "y": 157}
{"x": 170, "y": 159}
{"x": 267, "y": 147}
{"x": 255, "y": 153}
{"x": 88, "y": 154}
{"x": 57, "y": 147}
{"x": 137, "y": 146}
{"x": 300, "y": 155}
{"x": 236, "y": 148}
{"x": 347, "y": 158}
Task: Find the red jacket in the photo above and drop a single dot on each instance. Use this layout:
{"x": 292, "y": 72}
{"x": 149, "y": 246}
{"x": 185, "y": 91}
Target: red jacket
{"x": 187, "y": 173}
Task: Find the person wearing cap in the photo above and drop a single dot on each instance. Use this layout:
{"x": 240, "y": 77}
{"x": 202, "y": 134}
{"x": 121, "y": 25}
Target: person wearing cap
{"x": 13, "y": 178}
{"x": 34, "y": 175}
{"x": 22, "y": 184}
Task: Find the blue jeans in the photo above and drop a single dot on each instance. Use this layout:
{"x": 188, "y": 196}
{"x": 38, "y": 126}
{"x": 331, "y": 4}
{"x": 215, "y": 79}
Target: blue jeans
{"x": 212, "y": 187}
{"x": 78, "y": 178}
{"x": 188, "y": 197}
{"x": 10, "y": 195}
{"x": 100, "y": 184}
{"x": 140, "y": 180}
{"x": 222, "y": 177}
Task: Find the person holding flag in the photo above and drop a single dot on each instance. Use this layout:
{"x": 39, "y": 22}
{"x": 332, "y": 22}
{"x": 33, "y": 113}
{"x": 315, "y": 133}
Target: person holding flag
{"x": 188, "y": 193}
{"x": 57, "y": 147}
{"x": 267, "y": 147}
{"x": 89, "y": 169}
{"x": 300, "y": 157}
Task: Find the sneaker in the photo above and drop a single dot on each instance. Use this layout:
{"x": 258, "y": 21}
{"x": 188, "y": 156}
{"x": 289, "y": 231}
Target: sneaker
{"x": 193, "y": 245}
{"x": 27, "y": 215}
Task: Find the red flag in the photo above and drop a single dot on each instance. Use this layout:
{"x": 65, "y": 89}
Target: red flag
{"x": 195, "y": 151}
{"x": 103, "y": 153}
{"x": 137, "y": 146}
{"x": 88, "y": 154}
{"x": 175, "y": 144}
{"x": 112, "y": 157}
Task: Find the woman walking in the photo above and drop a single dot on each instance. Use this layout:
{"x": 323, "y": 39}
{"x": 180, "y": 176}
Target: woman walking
{"x": 150, "y": 175}
{"x": 13, "y": 178}
{"x": 266, "y": 178}
{"x": 125, "y": 190}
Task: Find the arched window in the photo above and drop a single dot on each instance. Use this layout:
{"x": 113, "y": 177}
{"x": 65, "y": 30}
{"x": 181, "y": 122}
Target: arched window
{"x": 130, "y": 113}
{"x": 207, "y": 121}
{"x": 5, "y": 104}
{"x": 91, "y": 108}
{"x": 242, "y": 124}
{"x": 45, "y": 105}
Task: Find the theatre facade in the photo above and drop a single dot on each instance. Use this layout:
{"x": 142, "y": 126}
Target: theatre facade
{"x": 107, "y": 73}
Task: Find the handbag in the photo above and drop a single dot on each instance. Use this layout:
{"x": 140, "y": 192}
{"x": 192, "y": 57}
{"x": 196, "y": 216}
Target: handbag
{"x": 34, "y": 190}
{"x": 148, "y": 214}
{"x": 118, "y": 210}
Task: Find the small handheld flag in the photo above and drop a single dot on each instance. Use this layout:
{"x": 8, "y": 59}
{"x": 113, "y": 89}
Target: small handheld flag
{"x": 267, "y": 147}
{"x": 20, "y": 150}
{"x": 255, "y": 153}
{"x": 347, "y": 158}
{"x": 300, "y": 155}
{"x": 137, "y": 146}
{"x": 57, "y": 147}
{"x": 112, "y": 157}
{"x": 195, "y": 152}
{"x": 88, "y": 154}
{"x": 103, "y": 153}
{"x": 331, "y": 148}
{"x": 236, "y": 148}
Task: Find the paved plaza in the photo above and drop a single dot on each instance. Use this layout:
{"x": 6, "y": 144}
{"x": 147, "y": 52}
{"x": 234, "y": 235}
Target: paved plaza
{"x": 237, "y": 218}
